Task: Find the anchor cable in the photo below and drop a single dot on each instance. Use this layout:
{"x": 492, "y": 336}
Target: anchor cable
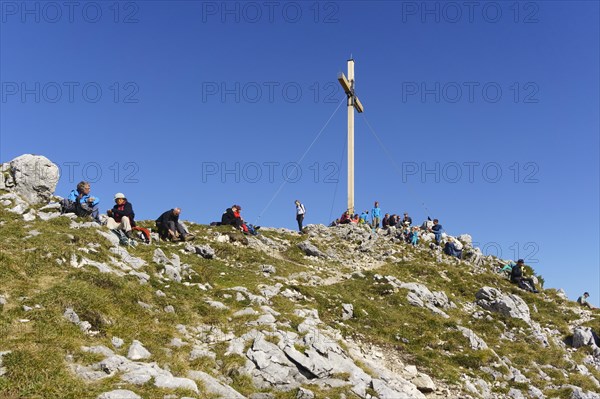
{"x": 300, "y": 160}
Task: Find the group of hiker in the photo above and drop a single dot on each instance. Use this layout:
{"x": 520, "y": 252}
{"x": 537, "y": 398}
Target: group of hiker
{"x": 121, "y": 220}
{"x": 404, "y": 225}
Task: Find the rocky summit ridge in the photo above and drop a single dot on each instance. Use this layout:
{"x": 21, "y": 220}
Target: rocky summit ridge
{"x": 339, "y": 312}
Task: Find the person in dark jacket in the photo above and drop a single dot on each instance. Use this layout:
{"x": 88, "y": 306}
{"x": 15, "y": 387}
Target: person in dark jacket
{"x": 169, "y": 227}
{"x": 452, "y": 249}
{"x": 516, "y": 276}
{"x": 121, "y": 216}
{"x": 231, "y": 217}
{"x": 437, "y": 231}
{"x": 393, "y": 221}
{"x": 386, "y": 221}
{"x": 407, "y": 220}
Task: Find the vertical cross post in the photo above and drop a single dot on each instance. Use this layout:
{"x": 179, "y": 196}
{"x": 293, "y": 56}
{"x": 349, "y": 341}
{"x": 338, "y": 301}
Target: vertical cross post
{"x": 351, "y": 138}
{"x": 353, "y": 103}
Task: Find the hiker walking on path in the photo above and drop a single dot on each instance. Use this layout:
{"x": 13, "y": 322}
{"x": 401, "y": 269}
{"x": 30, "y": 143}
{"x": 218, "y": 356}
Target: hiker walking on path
{"x": 300, "y": 211}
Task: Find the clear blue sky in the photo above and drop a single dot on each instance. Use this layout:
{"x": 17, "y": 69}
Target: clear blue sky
{"x": 489, "y": 113}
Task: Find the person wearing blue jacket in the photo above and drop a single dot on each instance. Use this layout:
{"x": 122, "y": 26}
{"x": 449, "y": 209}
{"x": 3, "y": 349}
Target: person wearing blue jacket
{"x": 437, "y": 230}
{"x": 83, "y": 202}
{"x": 364, "y": 217}
{"x": 375, "y": 215}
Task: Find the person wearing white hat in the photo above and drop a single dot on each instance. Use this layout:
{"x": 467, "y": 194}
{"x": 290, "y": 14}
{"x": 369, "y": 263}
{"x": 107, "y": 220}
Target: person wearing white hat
{"x": 121, "y": 216}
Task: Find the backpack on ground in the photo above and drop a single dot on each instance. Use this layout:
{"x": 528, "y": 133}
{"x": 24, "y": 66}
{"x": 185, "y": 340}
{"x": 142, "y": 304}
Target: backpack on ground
{"x": 144, "y": 234}
{"x": 123, "y": 239}
{"x": 67, "y": 206}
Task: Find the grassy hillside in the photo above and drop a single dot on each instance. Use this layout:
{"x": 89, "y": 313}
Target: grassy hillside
{"x": 43, "y": 271}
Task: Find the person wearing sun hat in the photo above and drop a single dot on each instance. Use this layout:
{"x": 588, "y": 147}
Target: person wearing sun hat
{"x": 121, "y": 216}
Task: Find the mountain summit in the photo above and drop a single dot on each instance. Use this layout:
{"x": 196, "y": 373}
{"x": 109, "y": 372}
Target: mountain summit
{"x": 337, "y": 312}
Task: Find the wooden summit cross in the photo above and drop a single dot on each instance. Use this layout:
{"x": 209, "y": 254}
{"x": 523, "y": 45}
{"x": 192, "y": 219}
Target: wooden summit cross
{"x": 353, "y": 102}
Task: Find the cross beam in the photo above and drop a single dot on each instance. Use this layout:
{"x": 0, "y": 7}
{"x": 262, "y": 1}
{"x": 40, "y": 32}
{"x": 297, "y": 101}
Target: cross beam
{"x": 353, "y": 103}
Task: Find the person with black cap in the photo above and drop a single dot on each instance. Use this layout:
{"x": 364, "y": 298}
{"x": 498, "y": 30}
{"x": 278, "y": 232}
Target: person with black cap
{"x": 582, "y": 300}
{"x": 516, "y": 276}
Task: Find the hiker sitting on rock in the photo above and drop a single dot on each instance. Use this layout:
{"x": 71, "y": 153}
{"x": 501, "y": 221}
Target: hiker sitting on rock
{"x": 231, "y": 217}
{"x": 346, "y": 219}
{"x": 364, "y": 217}
{"x": 582, "y": 300}
{"x": 169, "y": 227}
{"x": 407, "y": 220}
{"x": 385, "y": 222}
{"x": 81, "y": 203}
{"x": 516, "y": 276}
{"x": 393, "y": 221}
{"x": 121, "y": 216}
{"x": 414, "y": 236}
{"x": 453, "y": 248}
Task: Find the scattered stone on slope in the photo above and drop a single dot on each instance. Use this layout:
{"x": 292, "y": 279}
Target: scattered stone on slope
{"x": 578, "y": 393}
{"x": 515, "y": 394}
{"x": 535, "y": 393}
{"x": 420, "y": 296}
{"x": 160, "y": 257}
{"x": 119, "y": 394}
{"x": 510, "y": 305}
{"x": 311, "y": 250}
{"x": 137, "y": 351}
{"x": 268, "y": 269}
{"x": 3, "y": 369}
{"x": 213, "y": 386}
{"x": 117, "y": 342}
{"x": 304, "y": 394}
{"x": 475, "y": 342}
{"x": 562, "y": 294}
{"x": 217, "y": 305}
{"x": 204, "y": 251}
{"x": 170, "y": 382}
{"x": 584, "y": 336}
{"x": 347, "y": 311}
{"x": 32, "y": 177}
